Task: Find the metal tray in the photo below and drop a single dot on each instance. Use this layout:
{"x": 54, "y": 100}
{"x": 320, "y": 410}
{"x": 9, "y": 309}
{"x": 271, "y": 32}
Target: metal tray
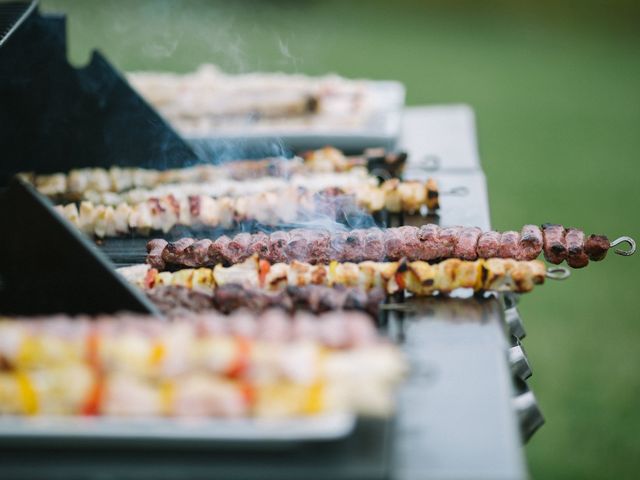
{"x": 256, "y": 432}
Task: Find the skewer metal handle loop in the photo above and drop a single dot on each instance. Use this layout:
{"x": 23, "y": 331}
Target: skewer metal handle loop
{"x": 558, "y": 273}
{"x": 429, "y": 163}
{"x": 460, "y": 191}
{"x": 630, "y": 241}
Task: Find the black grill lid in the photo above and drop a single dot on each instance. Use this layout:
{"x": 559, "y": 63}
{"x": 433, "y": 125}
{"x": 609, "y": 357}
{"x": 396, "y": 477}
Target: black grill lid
{"x": 56, "y": 118}
{"x": 47, "y": 266}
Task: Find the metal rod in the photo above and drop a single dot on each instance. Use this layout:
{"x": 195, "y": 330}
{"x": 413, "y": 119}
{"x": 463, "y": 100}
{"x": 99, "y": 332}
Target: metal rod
{"x": 624, "y": 239}
{"x": 558, "y": 273}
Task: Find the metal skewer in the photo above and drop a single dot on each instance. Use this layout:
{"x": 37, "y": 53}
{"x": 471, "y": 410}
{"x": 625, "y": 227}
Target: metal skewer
{"x": 558, "y": 273}
{"x": 460, "y": 191}
{"x": 624, "y": 239}
{"x": 429, "y": 163}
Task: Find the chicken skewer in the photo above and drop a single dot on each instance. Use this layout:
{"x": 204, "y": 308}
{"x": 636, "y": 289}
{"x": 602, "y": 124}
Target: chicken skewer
{"x": 77, "y": 182}
{"x": 428, "y": 243}
{"x": 416, "y": 277}
{"x": 288, "y": 205}
{"x": 209, "y": 365}
{"x": 394, "y": 191}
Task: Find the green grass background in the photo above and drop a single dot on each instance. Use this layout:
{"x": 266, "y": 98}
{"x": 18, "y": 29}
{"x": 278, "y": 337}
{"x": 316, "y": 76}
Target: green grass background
{"x": 556, "y": 90}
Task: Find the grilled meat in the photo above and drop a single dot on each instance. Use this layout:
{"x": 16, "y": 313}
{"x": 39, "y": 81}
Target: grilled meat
{"x": 287, "y": 205}
{"x": 176, "y": 299}
{"x": 596, "y": 247}
{"x": 427, "y": 243}
{"x": 417, "y": 277}
{"x": 509, "y": 245}
{"x": 555, "y": 247}
{"x": 531, "y": 243}
{"x": 95, "y": 181}
{"x": 576, "y": 257}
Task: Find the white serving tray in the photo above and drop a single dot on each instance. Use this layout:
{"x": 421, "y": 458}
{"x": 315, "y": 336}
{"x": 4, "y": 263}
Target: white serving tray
{"x": 317, "y": 428}
{"x": 381, "y": 128}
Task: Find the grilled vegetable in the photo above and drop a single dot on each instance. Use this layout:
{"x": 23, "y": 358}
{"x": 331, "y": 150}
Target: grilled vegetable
{"x": 207, "y": 365}
{"x": 417, "y": 277}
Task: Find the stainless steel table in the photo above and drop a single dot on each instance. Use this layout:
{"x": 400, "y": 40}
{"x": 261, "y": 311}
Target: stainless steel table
{"x": 455, "y": 418}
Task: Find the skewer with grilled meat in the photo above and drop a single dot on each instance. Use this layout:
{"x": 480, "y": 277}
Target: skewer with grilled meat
{"x": 428, "y": 243}
{"x": 177, "y": 299}
{"x": 229, "y": 187}
{"x": 289, "y": 205}
{"x": 416, "y": 277}
{"x": 393, "y": 194}
{"x": 207, "y": 365}
{"x": 120, "y": 179}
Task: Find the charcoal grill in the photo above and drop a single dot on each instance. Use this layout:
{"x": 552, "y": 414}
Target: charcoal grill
{"x": 460, "y": 414}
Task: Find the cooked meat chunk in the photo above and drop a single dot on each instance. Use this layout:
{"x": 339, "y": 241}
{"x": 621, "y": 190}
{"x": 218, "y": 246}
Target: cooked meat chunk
{"x": 576, "y": 256}
{"x": 531, "y": 242}
{"x": 555, "y": 248}
{"x": 597, "y": 247}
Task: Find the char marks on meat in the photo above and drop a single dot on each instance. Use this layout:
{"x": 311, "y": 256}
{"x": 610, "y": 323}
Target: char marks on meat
{"x": 531, "y": 243}
{"x": 319, "y": 248}
{"x": 197, "y": 254}
{"x": 576, "y": 257}
{"x": 555, "y": 248}
{"x": 428, "y": 236}
{"x": 237, "y": 250}
{"x": 173, "y": 254}
{"x": 348, "y": 246}
{"x": 509, "y": 242}
{"x": 154, "y": 253}
{"x": 596, "y": 247}
{"x": 447, "y": 239}
{"x": 259, "y": 245}
{"x": 277, "y": 244}
{"x": 354, "y": 246}
{"x": 489, "y": 244}
{"x": 466, "y": 247}
{"x": 216, "y": 249}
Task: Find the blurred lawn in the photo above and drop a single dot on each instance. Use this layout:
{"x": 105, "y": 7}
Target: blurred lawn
{"x": 556, "y": 89}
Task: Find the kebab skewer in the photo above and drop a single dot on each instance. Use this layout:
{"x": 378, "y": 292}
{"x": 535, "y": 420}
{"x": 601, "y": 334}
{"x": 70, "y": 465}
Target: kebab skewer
{"x": 288, "y": 205}
{"x": 428, "y": 243}
{"x": 177, "y": 299}
{"x": 222, "y": 186}
{"x": 77, "y": 182}
{"x": 416, "y": 277}
{"x": 392, "y": 191}
{"x": 209, "y": 365}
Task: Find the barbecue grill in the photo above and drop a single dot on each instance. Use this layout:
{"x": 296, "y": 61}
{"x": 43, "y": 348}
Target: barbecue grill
{"x": 463, "y": 412}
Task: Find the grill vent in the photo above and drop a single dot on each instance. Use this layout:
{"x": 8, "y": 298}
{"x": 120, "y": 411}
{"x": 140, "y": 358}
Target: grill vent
{"x": 12, "y": 14}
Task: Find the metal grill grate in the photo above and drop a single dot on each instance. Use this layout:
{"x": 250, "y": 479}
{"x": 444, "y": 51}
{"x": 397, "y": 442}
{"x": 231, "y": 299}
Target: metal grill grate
{"x": 12, "y": 14}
